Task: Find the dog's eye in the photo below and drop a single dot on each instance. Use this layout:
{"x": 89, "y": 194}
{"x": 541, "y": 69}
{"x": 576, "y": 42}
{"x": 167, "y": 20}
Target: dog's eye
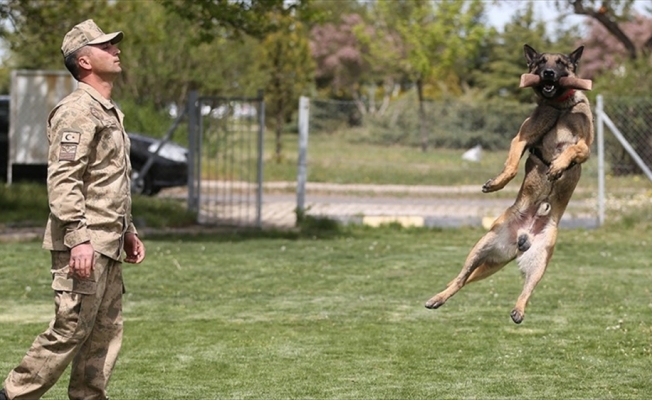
{"x": 563, "y": 64}
{"x": 542, "y": 61}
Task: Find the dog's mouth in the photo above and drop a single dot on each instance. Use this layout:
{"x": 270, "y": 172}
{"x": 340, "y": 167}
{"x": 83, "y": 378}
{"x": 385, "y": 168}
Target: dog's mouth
{"x": 549, "y": 88}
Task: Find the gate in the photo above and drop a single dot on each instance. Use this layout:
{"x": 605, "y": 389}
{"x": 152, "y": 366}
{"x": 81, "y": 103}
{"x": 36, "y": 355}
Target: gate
{"x": 225, "y": 171}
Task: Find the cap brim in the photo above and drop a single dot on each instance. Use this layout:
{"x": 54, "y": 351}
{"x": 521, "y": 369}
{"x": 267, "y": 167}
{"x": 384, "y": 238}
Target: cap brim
{"x": 114, "y": 38}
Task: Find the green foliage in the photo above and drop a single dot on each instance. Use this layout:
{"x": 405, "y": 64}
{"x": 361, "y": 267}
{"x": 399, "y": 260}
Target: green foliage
{"x": 285, "y": 54}
{"x": 632, "y": 79}
{"x": 145, "y": 118}
{"x": 455, "y": 123}
{"x": 161, "y": 66}
{"x": 440, "y": 38}
{"x": 253, "y": 17}
{"x": 25, "y": 204}
{"x": 282, "y": 316}
{"x": 39, "y": 28}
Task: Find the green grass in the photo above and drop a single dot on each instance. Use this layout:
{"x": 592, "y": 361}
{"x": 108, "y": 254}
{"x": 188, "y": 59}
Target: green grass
{"x": 339, "y": 314}
{"x": 343, "y": 158}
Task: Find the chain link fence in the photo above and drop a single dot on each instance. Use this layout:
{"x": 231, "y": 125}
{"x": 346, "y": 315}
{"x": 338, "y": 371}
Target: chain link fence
{"x": 462, "y": 125}
{"x": 633, "y": 117}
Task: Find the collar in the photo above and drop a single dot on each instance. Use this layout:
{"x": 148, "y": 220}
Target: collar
{"x": 106, "y": 103}
{"x": 566, "y": 96}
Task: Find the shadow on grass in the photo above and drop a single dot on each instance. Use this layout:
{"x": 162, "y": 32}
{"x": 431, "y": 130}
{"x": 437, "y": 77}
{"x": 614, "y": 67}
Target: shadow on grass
{"x": 309, "y": 228}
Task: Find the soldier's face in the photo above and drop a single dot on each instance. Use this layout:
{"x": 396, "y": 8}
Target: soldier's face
{"x": 104, "y": 58}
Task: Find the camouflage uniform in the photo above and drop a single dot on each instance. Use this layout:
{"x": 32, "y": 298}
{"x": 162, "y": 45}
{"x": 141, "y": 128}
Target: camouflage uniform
{"x": 89, "y": 194}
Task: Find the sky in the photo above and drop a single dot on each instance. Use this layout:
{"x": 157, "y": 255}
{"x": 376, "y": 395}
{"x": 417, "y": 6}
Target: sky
{"x": 501, "y": 13}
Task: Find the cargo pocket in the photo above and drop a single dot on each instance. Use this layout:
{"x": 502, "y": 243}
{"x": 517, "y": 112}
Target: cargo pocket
{"x": 63, "y": 282}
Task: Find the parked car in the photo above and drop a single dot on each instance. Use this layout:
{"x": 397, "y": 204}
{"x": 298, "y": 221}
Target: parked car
{"x": 169, "y": 169}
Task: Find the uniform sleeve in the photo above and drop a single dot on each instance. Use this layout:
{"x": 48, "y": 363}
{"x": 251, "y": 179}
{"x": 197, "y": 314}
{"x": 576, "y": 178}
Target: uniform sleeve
{"x": 131, "y": 228}
{"x": 71, "y": 134}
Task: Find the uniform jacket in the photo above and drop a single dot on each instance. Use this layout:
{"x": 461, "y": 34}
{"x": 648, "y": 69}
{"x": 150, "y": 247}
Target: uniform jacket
{"x": 89, "y": 174}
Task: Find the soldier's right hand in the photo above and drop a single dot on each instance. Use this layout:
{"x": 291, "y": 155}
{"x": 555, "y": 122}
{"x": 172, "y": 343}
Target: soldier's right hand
{"x": 82, "y": 259}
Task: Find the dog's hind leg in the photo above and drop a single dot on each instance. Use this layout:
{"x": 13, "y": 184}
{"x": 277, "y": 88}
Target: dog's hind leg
{"x": 533, "y": 264}
{"x": 489, "y": 255}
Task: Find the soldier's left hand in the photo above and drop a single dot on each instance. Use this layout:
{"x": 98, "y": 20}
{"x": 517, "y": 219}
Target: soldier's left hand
{"x": 134, "y": 249}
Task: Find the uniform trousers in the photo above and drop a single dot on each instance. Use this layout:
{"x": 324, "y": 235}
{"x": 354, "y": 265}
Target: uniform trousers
{"x": 86, "y": 330}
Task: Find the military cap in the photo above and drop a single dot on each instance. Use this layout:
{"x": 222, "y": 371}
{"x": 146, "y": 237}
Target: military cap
{"x": 86, "y": 33}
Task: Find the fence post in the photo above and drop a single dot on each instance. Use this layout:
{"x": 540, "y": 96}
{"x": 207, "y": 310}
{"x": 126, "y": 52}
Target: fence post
{"x": 600, "y": 137}
{"x": 261, "y": 132}
{"x": 194, "y": 173}
{"x": 304, "y": 110}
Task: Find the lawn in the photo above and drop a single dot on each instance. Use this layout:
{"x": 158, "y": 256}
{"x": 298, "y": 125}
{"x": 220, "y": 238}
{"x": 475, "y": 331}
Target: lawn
{"x": 339, "y": 315}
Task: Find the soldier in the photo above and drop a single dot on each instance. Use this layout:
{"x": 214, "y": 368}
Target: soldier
{"x": 89, "y": 226}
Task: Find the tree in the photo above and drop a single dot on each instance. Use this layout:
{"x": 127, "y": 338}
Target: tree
{"x": 164, "y": 58}
{"x": 605, "y": 52}
{"x": 290, "y": 68}
{"x": 252, "y": 17}
{"x": 611, "y": 14}
{"x": 439, "y": 39}
{"x": 36, "y": 28}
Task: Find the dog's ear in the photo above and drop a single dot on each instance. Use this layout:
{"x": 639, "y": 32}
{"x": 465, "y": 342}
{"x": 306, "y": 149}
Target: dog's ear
{"x": 576, "y": 55}
{"x": 530, "y": 55}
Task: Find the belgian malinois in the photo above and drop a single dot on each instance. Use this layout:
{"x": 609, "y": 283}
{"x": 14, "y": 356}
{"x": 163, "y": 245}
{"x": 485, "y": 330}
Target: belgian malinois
{"x": 558, "y": 135}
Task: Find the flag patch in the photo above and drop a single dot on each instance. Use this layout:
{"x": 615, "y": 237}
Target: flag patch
{"x": 70, "y": 137}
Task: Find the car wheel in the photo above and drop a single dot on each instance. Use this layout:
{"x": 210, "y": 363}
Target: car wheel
{"x": 142, "y": 186}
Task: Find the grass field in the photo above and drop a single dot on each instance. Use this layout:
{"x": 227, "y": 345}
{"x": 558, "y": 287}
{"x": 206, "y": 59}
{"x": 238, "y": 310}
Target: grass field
{"x": 343, "y": 158}
{"x": 339, "y": 315}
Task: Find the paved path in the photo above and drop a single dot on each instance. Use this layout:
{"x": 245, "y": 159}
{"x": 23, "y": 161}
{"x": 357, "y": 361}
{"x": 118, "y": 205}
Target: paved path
{"x": 431, "y": 206}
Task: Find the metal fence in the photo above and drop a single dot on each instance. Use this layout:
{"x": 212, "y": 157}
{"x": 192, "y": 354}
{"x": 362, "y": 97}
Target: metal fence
{"x": 613, "y": 179}
{"x": 624, "y": 154}
{"x": 225, "y": 159}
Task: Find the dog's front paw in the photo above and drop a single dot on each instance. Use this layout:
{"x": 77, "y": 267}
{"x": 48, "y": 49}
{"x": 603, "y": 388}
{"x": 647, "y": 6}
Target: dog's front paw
{"x": 517, "y": 316}
{"x": 490, "y": 186}
{"x": 554, "y": 173}
{"x": 435, "y": 302}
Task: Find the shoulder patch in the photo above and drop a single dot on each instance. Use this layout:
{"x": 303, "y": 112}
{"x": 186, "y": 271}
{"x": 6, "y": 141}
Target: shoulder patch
{"x": 67, "y": 152}
{"x": 70, "y": 137}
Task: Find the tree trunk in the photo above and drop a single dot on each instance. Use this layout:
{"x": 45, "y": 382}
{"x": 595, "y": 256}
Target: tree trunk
{"x": 602, "y": 16}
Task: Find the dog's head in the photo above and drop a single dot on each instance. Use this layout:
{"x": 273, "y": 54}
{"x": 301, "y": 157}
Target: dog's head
{"x": 553, "y": 71}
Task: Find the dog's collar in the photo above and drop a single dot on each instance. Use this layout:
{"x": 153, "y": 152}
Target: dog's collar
{"x": 566, "y": 95}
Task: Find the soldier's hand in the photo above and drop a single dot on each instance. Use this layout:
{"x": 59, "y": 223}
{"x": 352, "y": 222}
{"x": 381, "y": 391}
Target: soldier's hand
{"x": 82, "y": 260}
{"x": 134, "y": 248}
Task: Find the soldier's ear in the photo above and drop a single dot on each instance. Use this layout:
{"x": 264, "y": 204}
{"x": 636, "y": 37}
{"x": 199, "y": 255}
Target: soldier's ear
{"x": 530, "y": 54}
{"x": 576, "y": 55}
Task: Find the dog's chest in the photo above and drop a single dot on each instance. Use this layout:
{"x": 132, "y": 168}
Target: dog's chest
{"x": 562, "y": 135}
